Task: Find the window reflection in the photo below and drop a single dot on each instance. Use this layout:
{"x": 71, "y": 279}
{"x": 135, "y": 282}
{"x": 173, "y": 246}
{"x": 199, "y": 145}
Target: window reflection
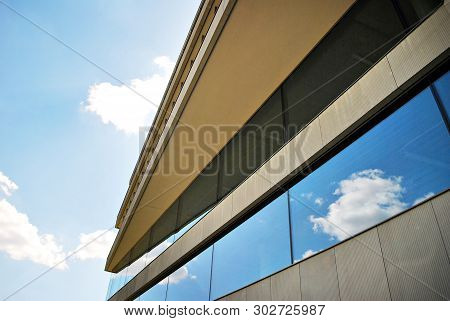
{"x": 253, "y": 250}
{"x": 192, "y": 280}
{"x": 442, "y": 86}
{"x": 399, "y": 163}
{"x": 189, "y": 225}
{"x": 156, "y": 293}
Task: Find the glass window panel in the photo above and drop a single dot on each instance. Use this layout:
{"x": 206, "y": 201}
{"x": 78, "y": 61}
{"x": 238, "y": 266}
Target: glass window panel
{"x": 108, "y": 294}
{"x": 126, "y": 276}
{"x": 442, "y": 86}
{"x": 191, "y": 281}
{"x": 156, "y": 251}
{"x": 165, "y": 225}
{"x": 253, "y": 250}
{"x": 354, "y": 45}
{"x": 156, "y": 293}
{"x": 189, "y": 225}
{"x": 136, "y": 267}
{"x": 400, "y": 162}
{"x": 415, "y": 10}
{"x": 112, "y": 287}
{"x": 200, "y": 195}
{"x": 259, "y": 139}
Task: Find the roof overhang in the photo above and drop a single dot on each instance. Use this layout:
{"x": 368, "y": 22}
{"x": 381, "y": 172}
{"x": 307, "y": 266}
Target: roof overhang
{"x": 249, "y": 50}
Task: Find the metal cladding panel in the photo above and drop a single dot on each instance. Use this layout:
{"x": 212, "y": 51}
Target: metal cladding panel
{"x": 191, "y": 239}
{"x": 416, "y": 262}
{"x": 304, "y": 145}
{"x": 423, "y": 45}
{"x": 240, "y": 295}
{"x": 260, "y": 291}
{"x": 285, "y": 285}
{"x": 365, "y": 94}
{"x": 441, "y": 207}
{"x": 318, "y": 277}
{"x": 360, "y": 267}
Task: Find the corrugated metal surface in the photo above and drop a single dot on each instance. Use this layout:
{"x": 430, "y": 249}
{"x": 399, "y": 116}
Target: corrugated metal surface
{"x": 318, "y": 277}
{"x": 360, "y": 267}
{"x": 259, "y": 291}
{"x": 358, "y": 100}
{"x": 421, "y": 46}
{"x": 441, "y": 206}
{"x": 416, "y": 261}
{"x": 285, "y": 285}
{"x": 240, "y": 295}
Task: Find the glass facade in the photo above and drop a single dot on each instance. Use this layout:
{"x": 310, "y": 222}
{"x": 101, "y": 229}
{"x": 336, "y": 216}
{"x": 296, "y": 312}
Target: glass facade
{"x": 118, "y": 280}
{"x": 191, "y": 282}
{"x": 253, "y": 250}
{"x": 399, "y": 163}
{"x": 360, "y": 38}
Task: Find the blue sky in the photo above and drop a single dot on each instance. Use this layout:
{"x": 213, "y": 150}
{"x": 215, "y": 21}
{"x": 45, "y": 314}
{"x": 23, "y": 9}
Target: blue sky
{"x": 68, "y": 131}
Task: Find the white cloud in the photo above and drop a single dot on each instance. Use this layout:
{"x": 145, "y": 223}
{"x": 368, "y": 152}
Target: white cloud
{"x": 125, "y": 109}
{"x": 21, "y": 240}
{"x": 7, "y": 185}
{"x": 95, "y": 245}
{"x": 308, "y": 253}
{"x": 319, "y": 201}
{"x": 179, "y": 275}
{"x": 308, "y": 196}
{"x": 423, "y": 198}
{"x": 365, "y": 198}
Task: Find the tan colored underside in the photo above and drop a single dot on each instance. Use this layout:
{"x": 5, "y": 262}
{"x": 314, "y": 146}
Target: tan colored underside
{"x": 260, "y": 45}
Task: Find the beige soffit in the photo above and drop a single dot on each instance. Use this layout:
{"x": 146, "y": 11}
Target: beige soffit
{"x": 182, "y": 65}
{"x": 260, "y": 44}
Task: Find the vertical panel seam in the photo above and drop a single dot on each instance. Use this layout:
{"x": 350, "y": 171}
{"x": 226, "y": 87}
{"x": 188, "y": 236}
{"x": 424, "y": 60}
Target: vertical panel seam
{"x": 384, "y": 264}
{"x": 440, "y": 232}
{"x": 440, "y": 105}
{"x": 300, "y": 278}
{"x": 337, "y": 276}
{"x": 290, "y": 227}
{"x": 211, "y": 272}
{"x": 392, "y": 71}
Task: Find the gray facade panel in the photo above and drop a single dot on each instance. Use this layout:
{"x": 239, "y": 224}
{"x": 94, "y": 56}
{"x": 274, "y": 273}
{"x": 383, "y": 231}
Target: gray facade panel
{"x": 427, "y": 37}
{"x": 260, "y": 291}
{"x": 421, "y": 46}
{"x": 441, "y": 207}
{"x": 360, "y": 267}
{"x": 285, "y": 285}
{"x": 318, "y": 278}
{"x": 358, "y": 100}
{"x": 416, "y": 261}
{"x": 240, "y": 295}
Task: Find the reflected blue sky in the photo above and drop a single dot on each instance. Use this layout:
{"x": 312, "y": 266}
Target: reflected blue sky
{"x": 156, "y": 293}
{"x": 192, "y": 280}
{"x": 443, "y": 87}
{"x": 400, "y": 162}
{"x": 254, "y": 249}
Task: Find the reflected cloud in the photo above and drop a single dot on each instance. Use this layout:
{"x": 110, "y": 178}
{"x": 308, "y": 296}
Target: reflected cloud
{"x": 308, "y": 253}
{"x": 364, "y": 199}
{"x": 319, "y": 201}
{"x": 423, "y": 198}
{"x": 179, "y": 275}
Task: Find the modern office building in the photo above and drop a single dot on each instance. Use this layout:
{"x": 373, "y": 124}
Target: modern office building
{"x": 301, "y": 151}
